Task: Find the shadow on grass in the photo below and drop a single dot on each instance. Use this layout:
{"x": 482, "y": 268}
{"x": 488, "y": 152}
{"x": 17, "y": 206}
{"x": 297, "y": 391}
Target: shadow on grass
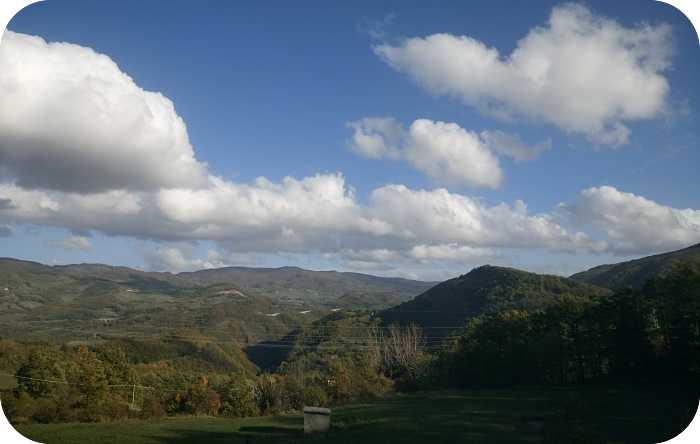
{"x": 281, "y": 429}
{"x": 268, "y": 430}
{"x": 246, "y": 435}
{"x": 654, "y": 414}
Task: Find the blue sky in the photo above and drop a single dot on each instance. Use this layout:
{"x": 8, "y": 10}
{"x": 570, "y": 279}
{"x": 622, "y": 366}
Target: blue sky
{"x": 272, "y": 89}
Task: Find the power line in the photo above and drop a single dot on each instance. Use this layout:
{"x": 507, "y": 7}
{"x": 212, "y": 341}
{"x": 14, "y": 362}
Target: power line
{"x": 245, "y": 339}
{"x": 66, "y": 382}
{"x": 274, "y": 313}
{"x": 431, "y": 342}
{"x": 107, "y": 323}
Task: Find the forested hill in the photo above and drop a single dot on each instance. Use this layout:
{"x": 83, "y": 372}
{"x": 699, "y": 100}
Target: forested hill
{"x": 294, "y": 285}
{"x": 485, "y": 289}
{"x": 254, "y": 304}
{"x": 28, "y": 271}
{"x": 635, "y": 273}
{"x": 324, "y": 288}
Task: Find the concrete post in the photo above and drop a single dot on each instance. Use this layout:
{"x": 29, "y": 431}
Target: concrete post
{"x": 316, "y": 419}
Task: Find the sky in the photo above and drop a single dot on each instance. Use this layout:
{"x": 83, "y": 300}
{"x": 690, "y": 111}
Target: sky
{"x": 415, "y": 139}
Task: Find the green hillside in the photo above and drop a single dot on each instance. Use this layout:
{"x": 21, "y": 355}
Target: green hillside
{"x": 635, "y": 273}
{"x": 30, "y": 291}
{"x": 81, "y": 301}
{"x": 329, "y": 289}
{"x": 485, "y": 289}
{"x": 91, "y": 304}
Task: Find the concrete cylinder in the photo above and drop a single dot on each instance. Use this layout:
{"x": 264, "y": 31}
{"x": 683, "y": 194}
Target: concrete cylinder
{"x": 316, "y": 419}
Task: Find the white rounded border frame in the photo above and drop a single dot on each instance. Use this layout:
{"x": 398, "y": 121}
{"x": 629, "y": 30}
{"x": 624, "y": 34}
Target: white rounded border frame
{"x": 9, "y": 8}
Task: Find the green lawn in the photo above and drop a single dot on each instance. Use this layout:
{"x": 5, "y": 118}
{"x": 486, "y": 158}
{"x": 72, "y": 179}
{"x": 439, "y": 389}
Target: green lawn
{"x": 517, "y": 416}
{"x": 7, "y": 382}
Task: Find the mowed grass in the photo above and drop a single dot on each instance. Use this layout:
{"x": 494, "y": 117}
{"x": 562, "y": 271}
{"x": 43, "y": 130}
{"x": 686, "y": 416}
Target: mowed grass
{"x": 7, "y": 382}
{"x": 490, "y": 416}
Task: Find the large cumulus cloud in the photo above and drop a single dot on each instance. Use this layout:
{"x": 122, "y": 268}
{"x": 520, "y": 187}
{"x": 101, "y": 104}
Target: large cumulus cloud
{"x": 443, "y": 151}
{"x": 319, "y": 213}
{"x": 634, "y": 224}
{"x": 71, "y": 120}
{"x": 581, "y": 72}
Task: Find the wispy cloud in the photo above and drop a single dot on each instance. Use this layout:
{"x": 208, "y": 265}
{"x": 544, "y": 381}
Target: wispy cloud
{"x": 376, "y": 29}
{"x": 582, "y": 72}
{"x": 81, "y": 243}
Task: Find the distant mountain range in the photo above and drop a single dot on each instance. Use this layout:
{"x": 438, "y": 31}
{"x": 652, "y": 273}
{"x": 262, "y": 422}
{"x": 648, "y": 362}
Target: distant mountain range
{"x": 87, "y": 302}
{"x": 251, "y": 304}
{"x": 288, "y": 285}
{"x": 634, "y": 274}
{"x": 315, "y": 288}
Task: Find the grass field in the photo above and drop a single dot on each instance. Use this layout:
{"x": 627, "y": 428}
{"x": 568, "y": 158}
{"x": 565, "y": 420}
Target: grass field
{"x": 517, "y": 416}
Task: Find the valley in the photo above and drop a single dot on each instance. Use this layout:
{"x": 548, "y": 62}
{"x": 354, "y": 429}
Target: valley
{"x": 238, "y": 342}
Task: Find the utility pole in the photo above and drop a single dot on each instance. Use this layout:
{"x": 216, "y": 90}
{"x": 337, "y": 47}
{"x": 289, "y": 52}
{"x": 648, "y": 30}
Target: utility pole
{"x": 303, "y": 379}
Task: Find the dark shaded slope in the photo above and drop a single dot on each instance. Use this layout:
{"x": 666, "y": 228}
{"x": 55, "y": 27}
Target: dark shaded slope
{"x": 635, "y": 273}
{"x": 485, "y": 289}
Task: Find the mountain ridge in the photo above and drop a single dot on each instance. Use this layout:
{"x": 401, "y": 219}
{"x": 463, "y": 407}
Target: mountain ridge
{"x": 484, "y": 289}
{"x": 636, "y": 272}
{"x": 328, "y": 287}
{"x": 77, "y": 265}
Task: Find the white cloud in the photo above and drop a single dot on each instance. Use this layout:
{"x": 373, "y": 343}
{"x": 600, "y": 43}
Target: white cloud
{"x": 634, "y": 224}
{"x": 451, "y": 252}
{"x": 111, "y": 211}
{"x": 426, "y": 262}
{"x": 180, "y": 258}
{"x": 320, "y": 214}
{"x": 75, "y": 242}
{"x": 443, "y": 151}
{"x": 371, "y": 256}
{"x": 448, "y": 153}
{"x": 290, "y": 212}
{"x": 581, "y": 72}
{"x": 312, "y": 213}
{"x": 71, "y": 120}
{"x": 376, "y": 29}
{"x": 440, "y": 217}
{"x": 511, "y": 146}
{"x": 317, "y": 213}
{"x": 377, "y": 137}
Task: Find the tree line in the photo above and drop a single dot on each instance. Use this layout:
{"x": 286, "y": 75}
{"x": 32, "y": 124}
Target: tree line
{"x": 646, "y": 336}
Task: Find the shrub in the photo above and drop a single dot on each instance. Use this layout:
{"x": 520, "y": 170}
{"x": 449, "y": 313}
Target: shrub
{"x": 238, "y": 398}
{"x": 152, "y": 407}
{"x": 269, "y": 395}
{"x": 315, "y": 396}
{"x": 200, "y": 399}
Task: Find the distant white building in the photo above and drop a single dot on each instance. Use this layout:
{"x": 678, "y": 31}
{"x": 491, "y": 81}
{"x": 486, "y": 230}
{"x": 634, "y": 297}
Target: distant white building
{"x": 231, "y": 292}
